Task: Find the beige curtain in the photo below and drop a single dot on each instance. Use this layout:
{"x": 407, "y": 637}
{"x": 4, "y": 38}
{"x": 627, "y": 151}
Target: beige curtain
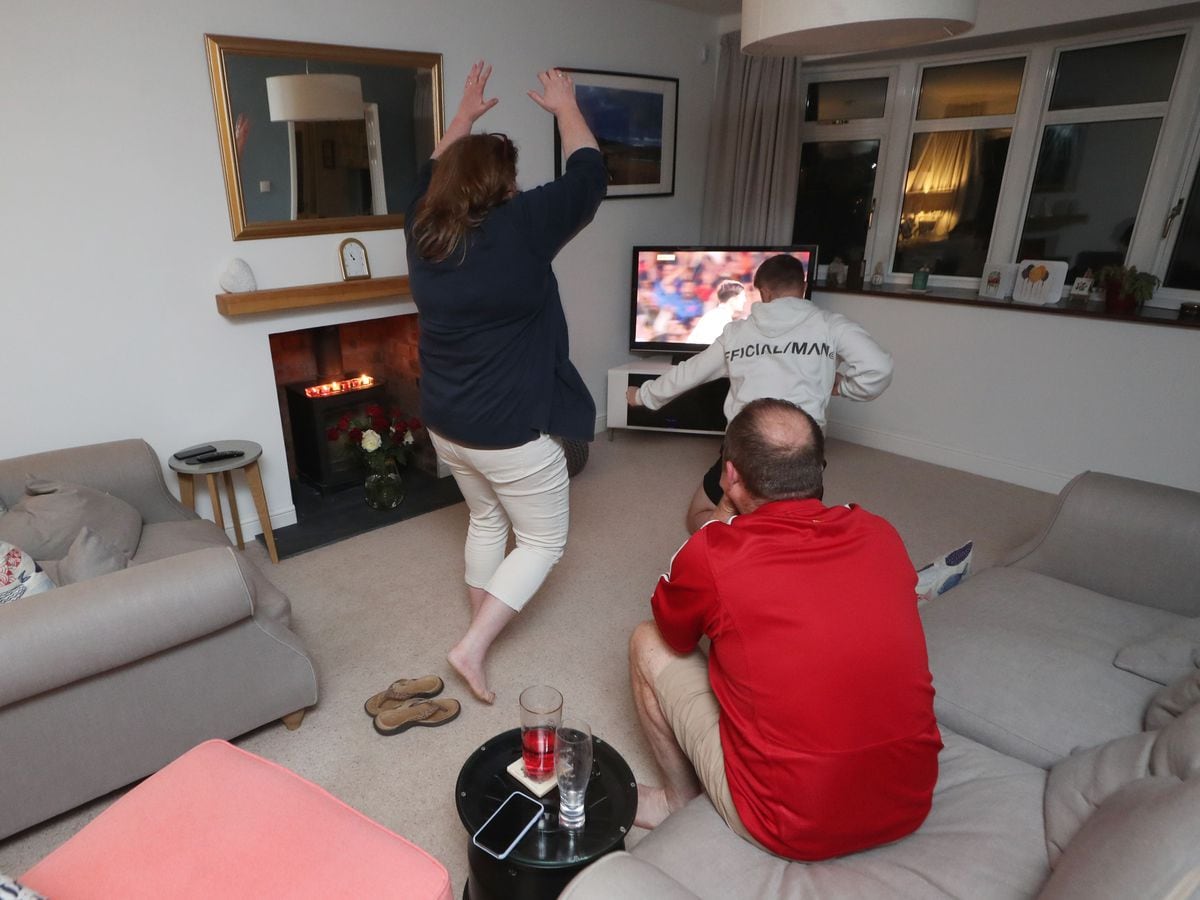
{"x": 938, "y": 186}
{"x": 753, "y": 149}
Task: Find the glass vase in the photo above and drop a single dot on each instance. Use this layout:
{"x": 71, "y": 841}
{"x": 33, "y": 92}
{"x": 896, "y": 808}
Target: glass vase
{"x": 383, "y": 488}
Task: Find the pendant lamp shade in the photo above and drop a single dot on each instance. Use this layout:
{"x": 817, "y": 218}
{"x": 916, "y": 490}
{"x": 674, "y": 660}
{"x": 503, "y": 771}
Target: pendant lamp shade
{"x": 314, "y": 98}
{"x": 824, "y": 27}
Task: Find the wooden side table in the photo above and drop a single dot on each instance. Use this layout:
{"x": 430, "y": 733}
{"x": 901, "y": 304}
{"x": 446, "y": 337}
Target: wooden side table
{"x": 248, "y": 463}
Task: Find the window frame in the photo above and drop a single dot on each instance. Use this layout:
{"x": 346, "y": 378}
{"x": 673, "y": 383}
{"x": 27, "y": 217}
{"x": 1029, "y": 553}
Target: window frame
{"x": 1174, "y": 164}
{"x": 855, "y": 130}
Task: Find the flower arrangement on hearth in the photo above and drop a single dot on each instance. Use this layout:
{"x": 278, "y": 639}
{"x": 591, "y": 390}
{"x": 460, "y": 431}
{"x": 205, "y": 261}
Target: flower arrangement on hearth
{"x": 378, "y": 435}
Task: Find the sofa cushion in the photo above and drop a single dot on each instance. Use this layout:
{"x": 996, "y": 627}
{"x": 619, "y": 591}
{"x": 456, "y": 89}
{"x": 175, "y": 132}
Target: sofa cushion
{"x": 20, "y": 575}
{"x": 46, "y": 521}
{"x": 88, "y": 557}
{"x": 1023, "y": 663}
{"x": 1164, "y": 656}
{"x": 1140, "y": 843}
{"x": 624, "y": 875}
{"x": 1122, "y": 538}
{"x": 983, "y": 839}
{"x": 164, "y": 539}
{"x": 1083, "y": 782}
{"x": 1173, "y": 700}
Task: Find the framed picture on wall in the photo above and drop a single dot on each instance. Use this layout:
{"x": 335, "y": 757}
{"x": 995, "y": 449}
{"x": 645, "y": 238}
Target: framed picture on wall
{"x": 634, "y": 120}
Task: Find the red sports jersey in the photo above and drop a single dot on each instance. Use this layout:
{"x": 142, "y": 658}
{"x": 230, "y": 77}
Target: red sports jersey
{"x": 818, "y": 661}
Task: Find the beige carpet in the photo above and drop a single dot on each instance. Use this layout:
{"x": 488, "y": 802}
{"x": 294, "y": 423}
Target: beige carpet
{"x": 389, "y": 603}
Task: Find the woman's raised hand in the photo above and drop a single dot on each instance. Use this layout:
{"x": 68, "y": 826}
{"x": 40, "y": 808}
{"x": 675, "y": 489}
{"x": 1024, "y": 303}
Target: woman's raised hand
{"x": 558, "y": 97}
{"x": 472, "y": 105}
{"x": 558, "y": 91}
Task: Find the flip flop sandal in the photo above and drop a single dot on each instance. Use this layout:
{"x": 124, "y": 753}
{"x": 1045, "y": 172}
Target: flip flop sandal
{"x": 401, "y": 691}
{"x": 430, "y": 713}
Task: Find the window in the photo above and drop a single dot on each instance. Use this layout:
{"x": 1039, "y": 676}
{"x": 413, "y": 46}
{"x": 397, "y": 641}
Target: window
{"x": 1086, "y": 190}
{"x": 954, "y": 173}
{"x": 839, "y": 162}
{"x": 1086, "y": 151}
{"x": 837, "y": 180}
{"x": 1184, "y": 269}
{"x": 839, "y": 102}
{"x": 1097, "y": 146}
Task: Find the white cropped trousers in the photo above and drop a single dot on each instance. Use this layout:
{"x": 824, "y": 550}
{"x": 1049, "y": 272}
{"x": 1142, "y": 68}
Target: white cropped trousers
{"x": 523, "y": 489}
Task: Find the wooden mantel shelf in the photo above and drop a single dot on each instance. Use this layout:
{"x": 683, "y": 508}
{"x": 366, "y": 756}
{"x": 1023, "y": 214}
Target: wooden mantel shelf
{"x": 305, "y": 296}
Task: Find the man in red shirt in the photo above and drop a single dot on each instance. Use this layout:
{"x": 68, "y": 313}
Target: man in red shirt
{"x": 810, "y": 725}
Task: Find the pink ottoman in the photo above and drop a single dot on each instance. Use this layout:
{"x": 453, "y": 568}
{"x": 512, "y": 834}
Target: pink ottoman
{"x": 221, "y": 822}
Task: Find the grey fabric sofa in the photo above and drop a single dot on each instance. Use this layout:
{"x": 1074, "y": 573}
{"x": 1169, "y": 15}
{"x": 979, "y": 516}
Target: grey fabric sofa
{"x": 108, "y": 679}
{"x": 1067, "y": 690}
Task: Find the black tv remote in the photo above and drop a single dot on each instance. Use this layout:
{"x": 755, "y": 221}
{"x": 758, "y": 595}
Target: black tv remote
{"x": 217, "y": 455}
{"x": 195, "y": 451}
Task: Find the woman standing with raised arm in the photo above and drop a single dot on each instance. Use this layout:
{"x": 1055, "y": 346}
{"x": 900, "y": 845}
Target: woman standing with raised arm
{"x": 497, "y": 387}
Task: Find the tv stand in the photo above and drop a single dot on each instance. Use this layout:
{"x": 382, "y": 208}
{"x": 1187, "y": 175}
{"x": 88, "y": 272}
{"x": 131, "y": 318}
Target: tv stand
{"x": 698, "y": 411}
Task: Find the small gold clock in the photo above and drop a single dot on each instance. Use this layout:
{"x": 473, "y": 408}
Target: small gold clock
{"x": 353, "y": 257}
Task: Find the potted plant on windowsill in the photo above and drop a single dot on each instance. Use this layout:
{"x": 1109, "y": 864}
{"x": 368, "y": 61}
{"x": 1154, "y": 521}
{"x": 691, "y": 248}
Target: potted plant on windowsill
{"x": 1125, "y": 288}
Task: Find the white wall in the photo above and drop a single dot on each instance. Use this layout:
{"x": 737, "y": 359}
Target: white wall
{"x": 116, "y": 225}
{"x": 1027, "y": 397}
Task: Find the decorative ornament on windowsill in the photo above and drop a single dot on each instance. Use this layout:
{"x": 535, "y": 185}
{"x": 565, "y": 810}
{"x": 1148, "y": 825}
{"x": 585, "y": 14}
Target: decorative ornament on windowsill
{"x": 1125, "y": 289}
{"x": 237, "y": 277}
{"x": 384, "y": 442}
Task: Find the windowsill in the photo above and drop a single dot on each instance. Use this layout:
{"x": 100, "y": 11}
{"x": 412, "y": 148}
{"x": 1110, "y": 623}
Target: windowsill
{"x": 1072, "y": 306}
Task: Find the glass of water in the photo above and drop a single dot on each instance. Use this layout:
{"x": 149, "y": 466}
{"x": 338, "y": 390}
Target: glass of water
{"x": 573, "y": 768}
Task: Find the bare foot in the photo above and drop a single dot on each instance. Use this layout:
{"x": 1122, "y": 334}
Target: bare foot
{"x": 471, "y": 672}
{"x": 652, "y": 807}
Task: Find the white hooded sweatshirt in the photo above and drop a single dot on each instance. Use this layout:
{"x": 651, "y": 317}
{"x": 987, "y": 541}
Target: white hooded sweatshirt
{"x": 787, "y": 348}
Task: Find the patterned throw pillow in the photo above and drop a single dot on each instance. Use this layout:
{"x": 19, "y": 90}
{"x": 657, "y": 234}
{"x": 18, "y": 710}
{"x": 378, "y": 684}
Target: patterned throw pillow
{"x": 11, "y": 889}
{"x": 89, "y": 557}
{"x": 20, "y": 576}
{"x": 46, "y": 521}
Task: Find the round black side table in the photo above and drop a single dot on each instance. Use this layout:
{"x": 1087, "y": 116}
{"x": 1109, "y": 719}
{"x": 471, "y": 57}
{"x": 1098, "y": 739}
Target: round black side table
{"x": 548, "y": 857}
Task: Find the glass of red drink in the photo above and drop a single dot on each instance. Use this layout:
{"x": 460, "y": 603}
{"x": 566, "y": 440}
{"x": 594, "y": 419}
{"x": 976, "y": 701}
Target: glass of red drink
{"x": 541, "y": 714}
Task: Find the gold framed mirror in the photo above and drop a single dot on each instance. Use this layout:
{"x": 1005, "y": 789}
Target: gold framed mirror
{"x": 320, "y": 138}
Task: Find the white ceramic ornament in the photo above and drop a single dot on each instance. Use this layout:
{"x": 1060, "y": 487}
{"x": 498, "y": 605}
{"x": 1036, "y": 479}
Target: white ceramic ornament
{"x": 237, "y": 277}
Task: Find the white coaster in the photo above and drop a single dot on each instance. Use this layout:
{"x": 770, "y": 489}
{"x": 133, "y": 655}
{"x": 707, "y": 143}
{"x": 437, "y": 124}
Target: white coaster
{"x": 539, "y": 788}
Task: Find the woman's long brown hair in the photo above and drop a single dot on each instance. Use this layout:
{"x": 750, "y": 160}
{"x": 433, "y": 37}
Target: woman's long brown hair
{"x": 473, "y": 175}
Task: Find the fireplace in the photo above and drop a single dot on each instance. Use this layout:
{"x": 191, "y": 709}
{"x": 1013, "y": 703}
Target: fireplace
{"x": 313, "y": 410}
{"x": 325, "y": 373}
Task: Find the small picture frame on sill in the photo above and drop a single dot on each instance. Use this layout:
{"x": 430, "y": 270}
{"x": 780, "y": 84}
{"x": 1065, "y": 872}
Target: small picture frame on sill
{"x": 997, "y": 280}
{"x": 1040, "y": 281}
{"x": 1081, "y": 287}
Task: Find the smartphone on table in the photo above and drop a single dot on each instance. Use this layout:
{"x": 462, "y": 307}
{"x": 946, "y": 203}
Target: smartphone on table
{"x": 508, "y": 824}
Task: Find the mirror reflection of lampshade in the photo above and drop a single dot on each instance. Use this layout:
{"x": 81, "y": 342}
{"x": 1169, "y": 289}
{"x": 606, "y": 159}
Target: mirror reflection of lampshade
{"x": 314, "y": 98}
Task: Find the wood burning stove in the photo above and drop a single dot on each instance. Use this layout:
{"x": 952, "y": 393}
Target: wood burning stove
{"x": 313, "y": 410}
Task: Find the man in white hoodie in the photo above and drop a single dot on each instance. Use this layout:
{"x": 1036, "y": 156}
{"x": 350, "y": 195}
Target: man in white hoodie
{"x": 786, "y": 348}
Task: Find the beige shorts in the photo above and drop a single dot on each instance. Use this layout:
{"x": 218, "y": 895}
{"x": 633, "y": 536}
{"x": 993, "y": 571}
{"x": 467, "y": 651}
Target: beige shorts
{"x": 690, "y": 706}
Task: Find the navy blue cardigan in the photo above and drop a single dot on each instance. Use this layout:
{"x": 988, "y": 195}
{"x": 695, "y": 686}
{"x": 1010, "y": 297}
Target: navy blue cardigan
{"x": 494, "y": 357}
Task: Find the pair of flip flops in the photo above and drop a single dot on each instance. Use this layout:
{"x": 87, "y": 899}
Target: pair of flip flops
{"x": 407, "y": 703}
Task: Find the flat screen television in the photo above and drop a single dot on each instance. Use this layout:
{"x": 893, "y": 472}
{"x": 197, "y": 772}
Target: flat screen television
{"x": 684, "y": 296}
